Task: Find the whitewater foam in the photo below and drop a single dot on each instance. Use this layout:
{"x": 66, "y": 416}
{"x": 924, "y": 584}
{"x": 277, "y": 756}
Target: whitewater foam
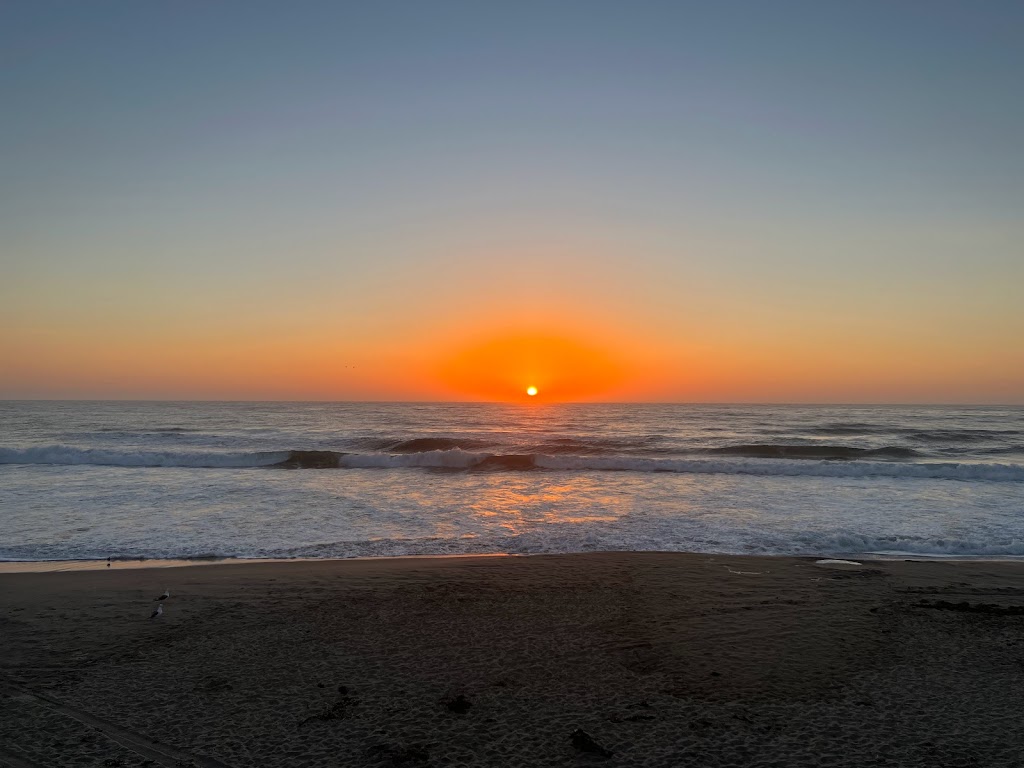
{"x": 565, "y": 538}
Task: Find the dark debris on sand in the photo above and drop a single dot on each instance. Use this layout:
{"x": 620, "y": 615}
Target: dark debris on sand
{"x": 990, "y": 609}
{"x": 339, "y": 710}
{"x": 459, "y": 705}
{"x": 584, "y": 742}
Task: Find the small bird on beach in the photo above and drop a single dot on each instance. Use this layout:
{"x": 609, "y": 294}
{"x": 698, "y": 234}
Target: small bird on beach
{"x": 164, "y": 596}
{"x": 157, "y": 613}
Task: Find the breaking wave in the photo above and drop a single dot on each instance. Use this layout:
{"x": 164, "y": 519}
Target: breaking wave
{"x": 847, "y": 466}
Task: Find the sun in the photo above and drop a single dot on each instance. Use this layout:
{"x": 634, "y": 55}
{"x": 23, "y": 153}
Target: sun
{"x": 527, "y": 367}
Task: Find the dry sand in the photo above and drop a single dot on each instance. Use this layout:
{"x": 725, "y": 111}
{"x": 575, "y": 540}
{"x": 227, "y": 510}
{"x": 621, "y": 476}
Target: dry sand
{"x": 661, "y": 659}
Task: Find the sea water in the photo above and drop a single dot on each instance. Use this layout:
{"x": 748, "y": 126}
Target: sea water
{"x": 82, "y": 480}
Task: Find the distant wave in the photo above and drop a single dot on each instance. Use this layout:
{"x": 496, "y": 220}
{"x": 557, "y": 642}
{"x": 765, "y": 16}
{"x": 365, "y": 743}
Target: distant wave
{"x": 458, "y": 459}
{"x": 845, "y": 428}
{"x": 583, "y": 446}
{"x": 948, "y": 435}
{"x": 148, "y": 430}
{"x": 424, "y": 444}
{"x": 773, "y": 451}
{"x": 1007, "y": 449}
{"x": 958, "y": 436}
{"x": 66, "y": 455}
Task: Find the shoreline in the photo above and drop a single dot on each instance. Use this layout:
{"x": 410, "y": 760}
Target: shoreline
{"x": 65, "y": 566}
{"x": 68, "y": 566}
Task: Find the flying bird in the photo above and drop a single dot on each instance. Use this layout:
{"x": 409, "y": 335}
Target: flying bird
{"x": 164, "y": 596}
{"x": 157, "y": 613}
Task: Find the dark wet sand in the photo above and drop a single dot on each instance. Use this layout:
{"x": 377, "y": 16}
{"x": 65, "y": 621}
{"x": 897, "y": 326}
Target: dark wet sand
{"x": 662, "y": 659}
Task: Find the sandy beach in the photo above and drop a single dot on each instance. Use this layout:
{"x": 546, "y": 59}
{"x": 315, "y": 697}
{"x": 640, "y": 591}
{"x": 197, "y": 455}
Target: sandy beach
{"x": 632, "y": 659}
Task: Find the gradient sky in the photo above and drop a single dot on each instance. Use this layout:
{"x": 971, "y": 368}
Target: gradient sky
{"x": 730, "y": 201}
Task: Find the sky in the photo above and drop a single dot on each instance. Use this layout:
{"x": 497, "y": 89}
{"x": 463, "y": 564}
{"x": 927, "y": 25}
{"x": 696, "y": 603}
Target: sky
{"x": 649, "y": 201}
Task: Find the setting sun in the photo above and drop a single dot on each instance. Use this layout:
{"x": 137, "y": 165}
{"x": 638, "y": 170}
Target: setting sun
{"x": 504, "y": 367}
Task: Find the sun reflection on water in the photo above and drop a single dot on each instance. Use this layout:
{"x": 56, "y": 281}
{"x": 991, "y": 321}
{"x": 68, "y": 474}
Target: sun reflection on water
{"x": 523, "y": 504}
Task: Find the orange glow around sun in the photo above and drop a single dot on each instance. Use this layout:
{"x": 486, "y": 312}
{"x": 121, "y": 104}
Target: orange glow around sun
{"x": 519, "y": 367}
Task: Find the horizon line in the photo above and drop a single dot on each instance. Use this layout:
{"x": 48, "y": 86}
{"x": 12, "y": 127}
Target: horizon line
{"x": 531, "y": 403}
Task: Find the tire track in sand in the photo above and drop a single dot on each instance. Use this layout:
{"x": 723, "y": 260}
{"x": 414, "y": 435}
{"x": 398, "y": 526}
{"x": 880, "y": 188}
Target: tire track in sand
{"x": 162, "y": 754}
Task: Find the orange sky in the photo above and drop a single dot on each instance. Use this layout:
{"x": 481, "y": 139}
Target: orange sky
{"x": 586, "y": 361}
{"x": 579, "y": 320}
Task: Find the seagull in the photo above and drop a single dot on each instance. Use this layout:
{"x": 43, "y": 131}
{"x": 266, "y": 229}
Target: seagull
{"x": 164, "y": 596}
{"x": 157, "y": 613}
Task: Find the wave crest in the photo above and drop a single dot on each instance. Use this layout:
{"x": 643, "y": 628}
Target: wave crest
{"x": 425, "y": 444}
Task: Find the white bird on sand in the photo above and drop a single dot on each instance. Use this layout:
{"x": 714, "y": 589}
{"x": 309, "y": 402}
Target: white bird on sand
{"x": 157, "y": 613}
{"x": 164, "y": 596}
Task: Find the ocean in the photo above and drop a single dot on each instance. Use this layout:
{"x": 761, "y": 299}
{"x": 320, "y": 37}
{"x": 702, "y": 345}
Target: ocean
{"x": 91, "y": 480}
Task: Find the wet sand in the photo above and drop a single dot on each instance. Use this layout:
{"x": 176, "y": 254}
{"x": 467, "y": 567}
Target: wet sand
{"x": 631, "y": 659}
